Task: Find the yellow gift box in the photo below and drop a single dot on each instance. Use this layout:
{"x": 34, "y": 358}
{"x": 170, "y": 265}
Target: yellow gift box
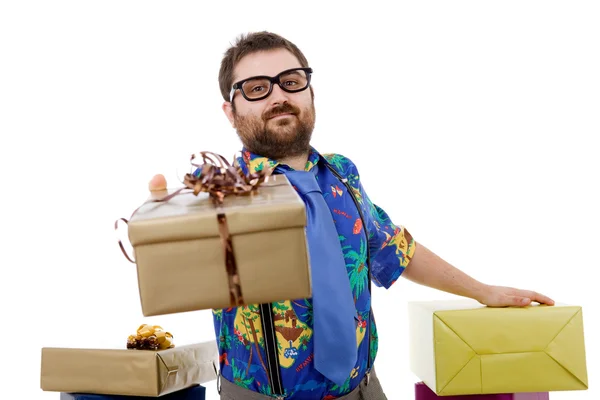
{"x": 460, "y": 347}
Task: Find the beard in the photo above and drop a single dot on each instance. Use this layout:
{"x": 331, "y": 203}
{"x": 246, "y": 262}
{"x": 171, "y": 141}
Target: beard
{"x": 277, "y": 139}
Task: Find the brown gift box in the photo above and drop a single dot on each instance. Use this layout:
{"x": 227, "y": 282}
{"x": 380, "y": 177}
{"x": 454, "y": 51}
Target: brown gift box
{"x": 180, "y": 254}
{"x": 126, "y": 371}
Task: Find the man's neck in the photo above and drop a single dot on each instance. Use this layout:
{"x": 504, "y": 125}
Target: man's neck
{"x": 298, "y": 163}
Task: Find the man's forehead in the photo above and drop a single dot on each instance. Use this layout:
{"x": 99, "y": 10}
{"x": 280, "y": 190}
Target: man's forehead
{"x": 269, "y": 63}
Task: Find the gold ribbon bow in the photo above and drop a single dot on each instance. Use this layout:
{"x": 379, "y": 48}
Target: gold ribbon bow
{"x": 150, "y": 337}
{"x": 219, "y": 179}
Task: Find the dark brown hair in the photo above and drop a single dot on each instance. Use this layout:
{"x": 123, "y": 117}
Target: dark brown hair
{"x": 248, "y": 44}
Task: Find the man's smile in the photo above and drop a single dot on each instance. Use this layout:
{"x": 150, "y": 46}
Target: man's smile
{"x": 280, "y": 116}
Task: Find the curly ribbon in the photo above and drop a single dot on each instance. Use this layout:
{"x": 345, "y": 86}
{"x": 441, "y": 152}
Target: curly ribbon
{"x": 150, "y": 337}
{"x": 223, "y": 179}
{"x": 219, "y": 179}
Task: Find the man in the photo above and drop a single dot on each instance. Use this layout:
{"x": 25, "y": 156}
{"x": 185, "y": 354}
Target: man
{"x": 282, "y": 349}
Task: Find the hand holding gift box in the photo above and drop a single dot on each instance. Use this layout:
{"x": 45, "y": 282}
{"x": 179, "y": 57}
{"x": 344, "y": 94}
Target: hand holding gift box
{"x": 223, "y": 240}
{"x": 463, "y": 347}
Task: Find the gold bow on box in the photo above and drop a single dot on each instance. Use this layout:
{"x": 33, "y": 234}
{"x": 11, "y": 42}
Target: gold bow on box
{"x": 219, "y": 178}
{"x": 150, "y": 337}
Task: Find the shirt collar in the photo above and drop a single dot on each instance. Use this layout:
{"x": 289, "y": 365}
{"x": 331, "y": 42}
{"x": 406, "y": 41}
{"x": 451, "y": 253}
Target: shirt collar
{"x": 250, "y": 162}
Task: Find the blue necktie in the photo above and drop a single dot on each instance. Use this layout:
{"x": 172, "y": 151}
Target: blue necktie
{"x": 334, "y": 311}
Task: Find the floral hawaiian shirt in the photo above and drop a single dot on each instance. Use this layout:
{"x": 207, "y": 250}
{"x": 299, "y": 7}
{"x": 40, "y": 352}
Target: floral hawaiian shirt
{"x": 243, "y": 359}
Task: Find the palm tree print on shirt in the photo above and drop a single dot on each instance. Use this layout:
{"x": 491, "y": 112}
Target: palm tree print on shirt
{"x": 358, "y": 272}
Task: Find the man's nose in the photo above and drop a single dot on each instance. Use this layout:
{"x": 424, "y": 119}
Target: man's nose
{"x": 278, "y": 95}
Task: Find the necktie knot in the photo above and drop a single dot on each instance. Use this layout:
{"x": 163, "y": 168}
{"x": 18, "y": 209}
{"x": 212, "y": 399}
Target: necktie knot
{"x": 304, "y": 182}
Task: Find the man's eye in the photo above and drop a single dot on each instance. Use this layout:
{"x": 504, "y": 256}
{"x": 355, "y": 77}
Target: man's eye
{"x": 256, "y": 89}
{"x": 290, "y": 83}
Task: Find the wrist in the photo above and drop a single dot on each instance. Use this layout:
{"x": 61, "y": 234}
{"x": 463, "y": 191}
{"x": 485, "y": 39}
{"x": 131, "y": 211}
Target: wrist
{"x": 480, "y": 292}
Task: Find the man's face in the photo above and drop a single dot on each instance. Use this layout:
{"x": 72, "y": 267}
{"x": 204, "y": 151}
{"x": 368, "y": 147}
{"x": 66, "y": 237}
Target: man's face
{"x": 280, "y": 125}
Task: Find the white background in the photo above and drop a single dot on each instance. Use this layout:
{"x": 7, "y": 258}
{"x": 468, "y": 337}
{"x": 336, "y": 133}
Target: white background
{"x": 473, "y": 123}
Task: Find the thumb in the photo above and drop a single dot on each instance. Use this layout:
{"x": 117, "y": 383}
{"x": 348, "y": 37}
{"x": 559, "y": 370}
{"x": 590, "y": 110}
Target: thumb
{"x": 158, "y": 182}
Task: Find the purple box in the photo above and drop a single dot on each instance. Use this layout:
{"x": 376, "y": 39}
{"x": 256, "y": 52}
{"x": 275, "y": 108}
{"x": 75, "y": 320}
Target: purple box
{"x": 422, "y": 392}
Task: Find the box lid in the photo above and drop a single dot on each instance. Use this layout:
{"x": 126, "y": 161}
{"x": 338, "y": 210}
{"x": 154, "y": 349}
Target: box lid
{"x": 274, "y": 205}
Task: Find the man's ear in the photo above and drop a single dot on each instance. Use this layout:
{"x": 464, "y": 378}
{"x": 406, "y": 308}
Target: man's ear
{"x": 228, "y": 110}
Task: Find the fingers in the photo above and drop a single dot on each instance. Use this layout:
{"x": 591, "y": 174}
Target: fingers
{"x": 530, "y": 296}
{"x": 158, "y": 182}
{"x": 540, "y": 298}
{"x": 518, "y": 301}
{"x": 512, "y": 297}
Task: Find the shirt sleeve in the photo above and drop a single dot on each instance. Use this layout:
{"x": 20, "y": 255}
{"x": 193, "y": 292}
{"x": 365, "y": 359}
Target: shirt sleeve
{"x": 391, "y": 246}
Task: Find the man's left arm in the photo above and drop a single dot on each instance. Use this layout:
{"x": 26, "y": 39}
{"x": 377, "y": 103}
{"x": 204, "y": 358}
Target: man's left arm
{"x": 395, "y": 253}
{"x": 428, "y": 269}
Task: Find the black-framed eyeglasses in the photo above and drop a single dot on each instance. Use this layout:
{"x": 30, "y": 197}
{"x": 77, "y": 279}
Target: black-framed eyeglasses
{"x": 256, "y": 88}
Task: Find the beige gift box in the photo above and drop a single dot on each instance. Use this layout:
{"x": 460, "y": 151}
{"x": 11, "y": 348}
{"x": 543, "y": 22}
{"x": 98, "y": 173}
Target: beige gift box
{"x": 128, "y": 372}
{"x": 179, "y": 249}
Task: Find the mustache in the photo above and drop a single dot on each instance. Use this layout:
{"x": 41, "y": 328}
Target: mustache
{"x": 285, "y": 108}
